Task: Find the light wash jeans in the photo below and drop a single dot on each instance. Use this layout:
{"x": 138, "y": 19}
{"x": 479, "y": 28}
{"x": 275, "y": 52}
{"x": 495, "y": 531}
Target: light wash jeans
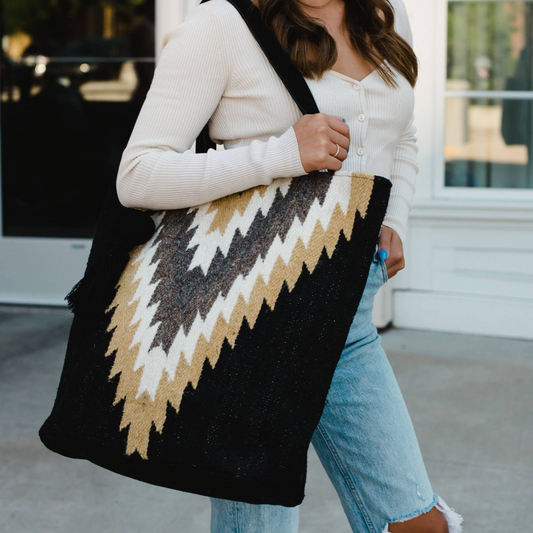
{"x": 364, "y": 439}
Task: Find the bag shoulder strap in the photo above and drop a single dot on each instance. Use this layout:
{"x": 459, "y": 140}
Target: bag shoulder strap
{"x": 119, "y": 228}
{"x": 288, "y": 73}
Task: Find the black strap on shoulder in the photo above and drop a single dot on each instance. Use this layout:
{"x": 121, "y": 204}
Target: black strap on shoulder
{"x": 119, "y": 228}
{"x": 288, "y": 73}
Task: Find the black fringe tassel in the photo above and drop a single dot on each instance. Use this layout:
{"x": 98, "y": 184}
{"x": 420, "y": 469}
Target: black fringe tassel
{"x": 118, "y": 230}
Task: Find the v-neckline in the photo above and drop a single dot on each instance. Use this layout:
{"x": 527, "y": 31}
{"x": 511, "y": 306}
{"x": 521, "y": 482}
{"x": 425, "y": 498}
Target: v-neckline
{"x": 348, "y": 78}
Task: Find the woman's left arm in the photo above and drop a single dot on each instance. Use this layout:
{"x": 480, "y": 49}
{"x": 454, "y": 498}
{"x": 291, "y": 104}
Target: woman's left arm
{"x": 403, "y": 173}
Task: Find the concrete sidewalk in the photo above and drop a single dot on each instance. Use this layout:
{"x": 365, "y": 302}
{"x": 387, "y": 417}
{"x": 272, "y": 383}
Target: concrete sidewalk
{"x": 470, "y": 399}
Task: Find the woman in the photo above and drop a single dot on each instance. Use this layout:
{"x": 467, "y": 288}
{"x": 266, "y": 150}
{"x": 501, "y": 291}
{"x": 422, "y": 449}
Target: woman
{"x": 211, "y": 67}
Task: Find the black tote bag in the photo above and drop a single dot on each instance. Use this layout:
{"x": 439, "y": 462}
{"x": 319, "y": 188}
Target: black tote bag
{"x": 204, "y": 339}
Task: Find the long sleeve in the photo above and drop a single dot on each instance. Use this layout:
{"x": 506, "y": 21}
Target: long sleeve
{"x": 403, "y": 178}
{"x": 405, "y": 163}
{"x": 158, "y": 169}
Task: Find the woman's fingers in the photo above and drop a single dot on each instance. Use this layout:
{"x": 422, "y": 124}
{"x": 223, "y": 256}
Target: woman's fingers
{"x": 340, "y": 133}
{"x": 318, "y": 135}
{"x": 341, "y": 154}
{"x": 341, "y": 140}
{"x": 339, "y": 136}
{"x": 335, "y": 163}
{"x": 390, "y": 241}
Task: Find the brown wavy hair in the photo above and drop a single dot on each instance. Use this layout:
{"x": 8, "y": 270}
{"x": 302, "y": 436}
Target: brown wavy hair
{"x": 370, "y": 27}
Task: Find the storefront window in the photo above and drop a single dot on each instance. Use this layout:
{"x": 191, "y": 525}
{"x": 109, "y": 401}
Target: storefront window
{"x": 489, "y": 95}
{"x": 74, "y": 76}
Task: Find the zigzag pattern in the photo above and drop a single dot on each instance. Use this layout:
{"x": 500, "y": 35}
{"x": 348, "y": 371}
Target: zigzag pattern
{"x": 212, "y": 267}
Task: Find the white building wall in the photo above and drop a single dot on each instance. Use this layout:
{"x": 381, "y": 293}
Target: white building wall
{"x": 469, "y": 258}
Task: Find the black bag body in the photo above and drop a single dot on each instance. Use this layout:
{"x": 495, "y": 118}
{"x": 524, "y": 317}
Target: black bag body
{"x": 204, "y": 339}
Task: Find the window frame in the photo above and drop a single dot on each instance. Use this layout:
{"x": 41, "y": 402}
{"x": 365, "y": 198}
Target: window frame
{"x": 440, "y": 190}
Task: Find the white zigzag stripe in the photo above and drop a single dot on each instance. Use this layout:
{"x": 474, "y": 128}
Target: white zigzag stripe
{"x": 155, "y": 361}
{"x": 144, "y": 313}
{"x": 209, "y": 243}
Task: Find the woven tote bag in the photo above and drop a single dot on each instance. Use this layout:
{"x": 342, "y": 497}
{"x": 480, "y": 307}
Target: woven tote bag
{"x": 204, "y": 339}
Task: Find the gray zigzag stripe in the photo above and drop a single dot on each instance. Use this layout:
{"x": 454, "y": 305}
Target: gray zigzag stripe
{"x": 184, "y": 299}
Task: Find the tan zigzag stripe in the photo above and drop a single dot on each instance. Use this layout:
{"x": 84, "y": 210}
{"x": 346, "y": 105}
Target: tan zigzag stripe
{"x": 139, "y": 412}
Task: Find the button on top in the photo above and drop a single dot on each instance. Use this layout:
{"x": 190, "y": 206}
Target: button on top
{"x": 361, "y": 117}
{"x": 360, "y": 151}
{"x": 356, "y": 86}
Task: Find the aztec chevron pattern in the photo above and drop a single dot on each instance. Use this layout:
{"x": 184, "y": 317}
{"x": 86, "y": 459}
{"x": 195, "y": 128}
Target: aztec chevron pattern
{"x": 209, "y": 370}
{"x": 213, "y": 266}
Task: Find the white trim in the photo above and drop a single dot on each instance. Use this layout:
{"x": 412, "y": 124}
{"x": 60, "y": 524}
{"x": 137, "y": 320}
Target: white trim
{"x": 489, "y": 0}
{"x": 439, "y": 123}
{"x": 423, "y": 17}
{"x": 495, "y": 95}
{"x": 167, "y": 14}
{"x": 473, "y": 210}
{"x": 481, "y": 193}
{"x": 39, "y": 270}
{"x": 464, "y": 313}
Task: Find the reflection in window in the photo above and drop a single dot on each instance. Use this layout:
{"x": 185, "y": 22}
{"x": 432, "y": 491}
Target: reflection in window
{"x": 74, "y": 76}
{"x": 489, "y": 136}
{"x": 489, "y": 143}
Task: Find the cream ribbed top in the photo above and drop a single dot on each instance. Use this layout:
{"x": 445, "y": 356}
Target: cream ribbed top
{"x": 212, "y": 68}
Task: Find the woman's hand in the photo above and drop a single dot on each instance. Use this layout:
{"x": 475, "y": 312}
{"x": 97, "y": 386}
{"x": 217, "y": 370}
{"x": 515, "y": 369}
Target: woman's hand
{"x": 390, "y": 241}
{"x": 318, "y": 135}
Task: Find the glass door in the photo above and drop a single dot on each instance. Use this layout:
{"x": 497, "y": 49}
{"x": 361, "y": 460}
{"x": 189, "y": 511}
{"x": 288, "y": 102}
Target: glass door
{"x": 73, "y": 76}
